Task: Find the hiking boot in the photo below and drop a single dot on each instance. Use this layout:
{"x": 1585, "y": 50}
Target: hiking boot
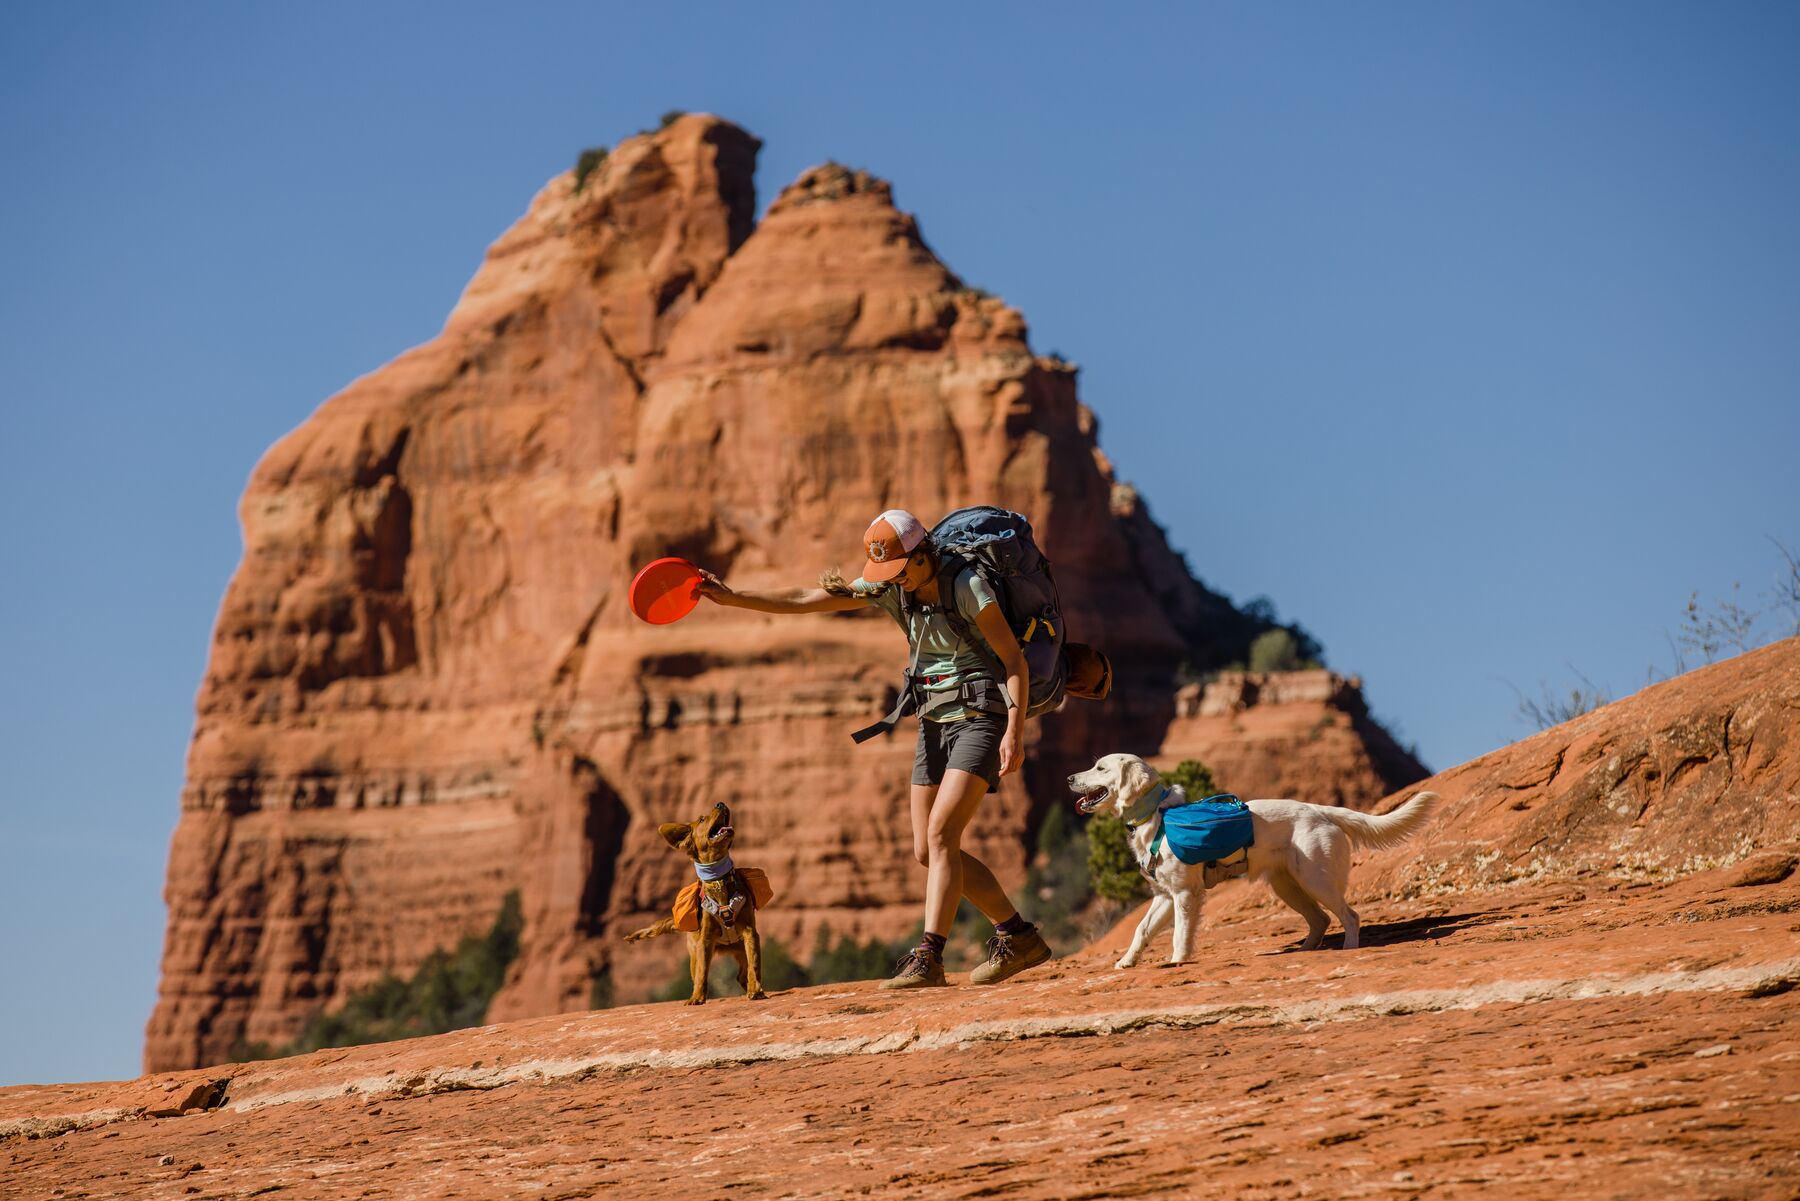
{"x": 1010, "y": 954}
{"x": 918, "y": 969}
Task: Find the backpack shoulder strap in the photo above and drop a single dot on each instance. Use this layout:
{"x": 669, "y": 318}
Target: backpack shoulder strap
{"x": 951, "y": 607}
{"x": 989, "y": 695}
{"x": 949, "y": 576}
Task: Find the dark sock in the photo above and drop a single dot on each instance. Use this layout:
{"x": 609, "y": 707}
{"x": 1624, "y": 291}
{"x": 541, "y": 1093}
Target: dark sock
{"x": 1016, "y": 924}
{"x": 933, "y": 943}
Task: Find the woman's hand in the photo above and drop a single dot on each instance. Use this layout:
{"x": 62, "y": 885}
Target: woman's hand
{"x": 1012, "y": 743}
{"x": 713, "y": 588}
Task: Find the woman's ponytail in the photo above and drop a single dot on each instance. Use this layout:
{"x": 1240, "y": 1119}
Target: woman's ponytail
{"x": 834, "y": 585}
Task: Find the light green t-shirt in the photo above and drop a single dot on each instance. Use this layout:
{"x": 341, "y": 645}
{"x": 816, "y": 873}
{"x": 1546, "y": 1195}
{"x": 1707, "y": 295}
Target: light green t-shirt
{"x": 942, "y": 653}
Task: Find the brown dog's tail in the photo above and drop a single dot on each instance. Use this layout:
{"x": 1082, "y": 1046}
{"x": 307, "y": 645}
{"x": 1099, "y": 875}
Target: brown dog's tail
{"x": 666, "y": 926}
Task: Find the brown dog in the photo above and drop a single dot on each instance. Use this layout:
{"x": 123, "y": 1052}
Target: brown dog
{"x": 718, "y": 910}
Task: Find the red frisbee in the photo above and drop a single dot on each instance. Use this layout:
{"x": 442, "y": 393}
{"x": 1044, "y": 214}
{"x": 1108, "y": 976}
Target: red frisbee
{"x": 664, "y": 591}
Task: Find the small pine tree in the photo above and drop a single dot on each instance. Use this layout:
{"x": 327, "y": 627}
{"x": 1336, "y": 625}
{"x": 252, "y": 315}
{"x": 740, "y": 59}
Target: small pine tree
{"x": 1192, "y": 777}
{"x": 835, "y": 960}
{"x": 1055, "y": 832}
{"x": 779, "y": 971}
{"x": 1112, "y": 869}
{"x": 1057, "y": 887}
{"x": 449, "y": 991}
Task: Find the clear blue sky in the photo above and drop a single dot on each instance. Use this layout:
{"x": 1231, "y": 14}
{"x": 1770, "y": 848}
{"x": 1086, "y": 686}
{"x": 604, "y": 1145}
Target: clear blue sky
{"x": 1468, "y": 333}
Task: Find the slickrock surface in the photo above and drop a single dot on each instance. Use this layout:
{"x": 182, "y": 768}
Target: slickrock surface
{"x": 425, "y": 689}
{"x": 1540, "y": 1039}
{"x": 1568, "y": 988}
{"x": 1688, "y": 774}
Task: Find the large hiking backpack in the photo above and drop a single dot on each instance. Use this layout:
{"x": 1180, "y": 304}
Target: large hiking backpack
{"x": 998, "y": 544}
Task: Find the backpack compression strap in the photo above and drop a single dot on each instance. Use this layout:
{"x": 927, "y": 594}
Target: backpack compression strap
{"x": 907, "y": 703}
{"x": 908, "y": 700}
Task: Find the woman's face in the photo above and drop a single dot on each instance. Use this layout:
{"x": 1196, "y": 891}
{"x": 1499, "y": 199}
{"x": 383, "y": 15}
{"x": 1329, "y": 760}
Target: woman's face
{"x": 918, "y": 571}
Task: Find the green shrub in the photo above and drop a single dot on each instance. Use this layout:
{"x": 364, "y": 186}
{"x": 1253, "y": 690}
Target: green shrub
{"x": 1192, "y": 777}
{"x": 1278, "y": 650}
{"x": 449, "y": 991}
{"x": 721, "y": 981}
{"x": 669, "y": 118}
{"x": 1057, "y": 888}
{"x": 585, "y": 165}
{"x": 1112, "y": 870}
{"x": 837, "y": 960}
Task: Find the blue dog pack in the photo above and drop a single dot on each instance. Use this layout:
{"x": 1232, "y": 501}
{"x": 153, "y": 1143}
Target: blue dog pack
{"x": 1205, "y": 831}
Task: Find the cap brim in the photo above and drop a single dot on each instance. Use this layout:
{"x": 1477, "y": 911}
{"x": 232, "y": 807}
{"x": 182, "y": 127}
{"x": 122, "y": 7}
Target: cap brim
{"x": 879, "y": 573}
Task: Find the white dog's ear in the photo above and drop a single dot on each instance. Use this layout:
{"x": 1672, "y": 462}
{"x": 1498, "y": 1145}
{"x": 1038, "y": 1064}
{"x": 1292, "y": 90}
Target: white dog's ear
{"x": 1135, "y": 778}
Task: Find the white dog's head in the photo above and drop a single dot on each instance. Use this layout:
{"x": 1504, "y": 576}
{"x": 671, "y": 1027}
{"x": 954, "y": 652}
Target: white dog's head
{"x": 1113, "y": 784}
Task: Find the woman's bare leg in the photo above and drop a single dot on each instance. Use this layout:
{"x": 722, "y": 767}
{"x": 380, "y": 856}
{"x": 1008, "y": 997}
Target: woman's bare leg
{"x": 983, "y": 889}
{"x": 978, "y": 881}
{"x": 952, "y": 872}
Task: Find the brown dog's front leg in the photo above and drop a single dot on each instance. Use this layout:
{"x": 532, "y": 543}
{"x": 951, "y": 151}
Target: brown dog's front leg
{"x": 699, "y": 963}
{"x": 753, "y": 990}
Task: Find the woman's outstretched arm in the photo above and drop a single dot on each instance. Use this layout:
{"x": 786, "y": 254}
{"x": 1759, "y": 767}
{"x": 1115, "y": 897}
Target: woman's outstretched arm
{"x": 787, "y": 600}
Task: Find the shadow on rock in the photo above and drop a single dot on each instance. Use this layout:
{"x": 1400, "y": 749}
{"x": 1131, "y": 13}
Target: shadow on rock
{"x": 1388, "y": 934}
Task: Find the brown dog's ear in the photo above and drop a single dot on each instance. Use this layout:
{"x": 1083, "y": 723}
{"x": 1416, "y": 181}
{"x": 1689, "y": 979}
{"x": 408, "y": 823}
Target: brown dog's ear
{"x": 676, "y": 834}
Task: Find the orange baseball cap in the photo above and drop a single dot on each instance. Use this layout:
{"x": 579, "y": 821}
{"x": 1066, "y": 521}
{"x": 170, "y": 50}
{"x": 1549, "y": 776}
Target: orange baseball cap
{"x": 889, "y": 540}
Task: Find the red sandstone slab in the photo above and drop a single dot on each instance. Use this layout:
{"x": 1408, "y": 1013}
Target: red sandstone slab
{"x": 1625, "y": 1071}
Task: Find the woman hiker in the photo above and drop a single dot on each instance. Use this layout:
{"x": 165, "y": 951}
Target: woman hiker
{"x": 963, "y": 749}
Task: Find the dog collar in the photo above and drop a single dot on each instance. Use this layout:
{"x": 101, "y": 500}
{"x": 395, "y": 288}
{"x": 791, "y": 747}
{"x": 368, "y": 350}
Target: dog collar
{"x": 714, "y": 871}
{"x": 1146, "y": 806}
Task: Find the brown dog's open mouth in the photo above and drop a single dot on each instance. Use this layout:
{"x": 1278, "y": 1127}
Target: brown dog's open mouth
{"x": 721, "y": 825}
{"x": 1091, "y": 800}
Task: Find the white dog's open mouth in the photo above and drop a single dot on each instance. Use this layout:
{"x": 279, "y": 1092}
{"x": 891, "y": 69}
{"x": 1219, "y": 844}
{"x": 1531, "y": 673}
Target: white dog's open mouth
{"x": 1091, "y": 800}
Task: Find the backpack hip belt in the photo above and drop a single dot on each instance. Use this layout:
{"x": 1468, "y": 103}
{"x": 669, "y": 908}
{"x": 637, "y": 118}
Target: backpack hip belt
{"x": 984, "y": 696}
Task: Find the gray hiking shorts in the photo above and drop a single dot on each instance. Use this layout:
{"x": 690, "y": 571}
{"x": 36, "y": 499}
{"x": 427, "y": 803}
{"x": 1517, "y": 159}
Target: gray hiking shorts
{"x": 971, "y": 744}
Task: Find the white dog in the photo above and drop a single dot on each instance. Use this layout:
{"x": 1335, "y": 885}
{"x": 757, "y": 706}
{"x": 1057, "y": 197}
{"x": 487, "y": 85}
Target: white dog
{"x": 1301, "y": 850}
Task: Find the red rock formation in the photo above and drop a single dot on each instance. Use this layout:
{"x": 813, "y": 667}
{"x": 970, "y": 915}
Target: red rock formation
{"x": 1302, "y": 734}
{"x": 425, "y": 689}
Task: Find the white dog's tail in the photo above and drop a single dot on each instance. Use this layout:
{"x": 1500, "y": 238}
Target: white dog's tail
{"x": 1388, "y": 830}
